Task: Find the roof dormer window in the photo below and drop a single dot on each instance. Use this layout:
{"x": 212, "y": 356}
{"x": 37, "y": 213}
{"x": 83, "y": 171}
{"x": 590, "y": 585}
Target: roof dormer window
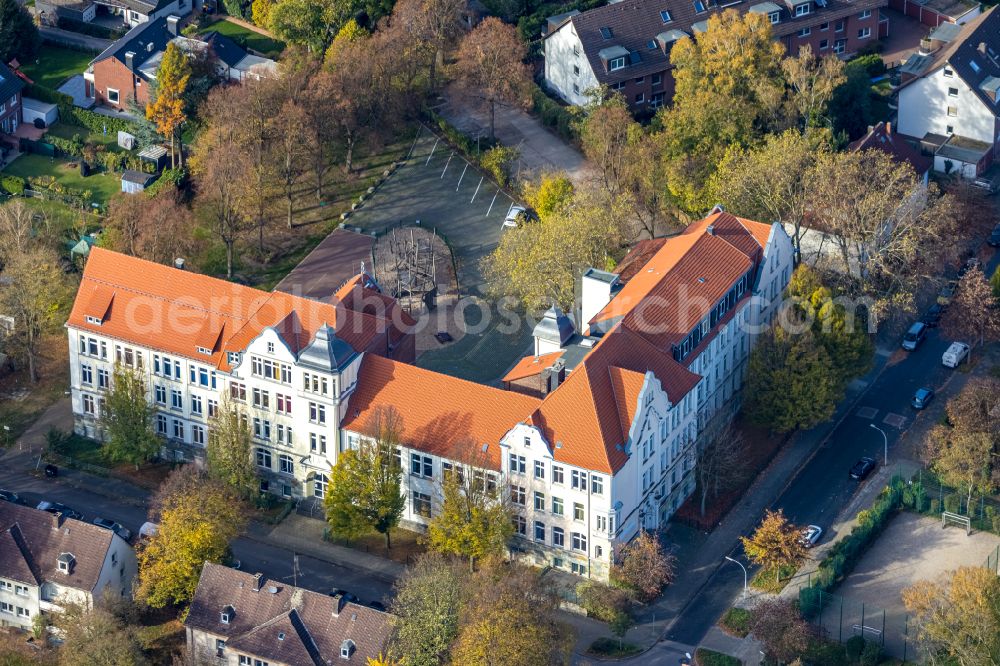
{"x": 802, "y": 9}
{"x": 606, "y": 33}
{"x": 774, "y": 18}
{"x": 346, "y": 649}
{"x": 226, "y": 616}
{"x": 615, "y": 64}
{"x": 204, "y": 350}
{"x": 66, "y": 562}
{"x": 96, "y": 321}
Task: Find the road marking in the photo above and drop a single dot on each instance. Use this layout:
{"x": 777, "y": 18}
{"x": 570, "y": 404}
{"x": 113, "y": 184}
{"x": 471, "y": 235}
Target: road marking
{"x": 866, "y": 412}
{"x": 477, "y": 189}
{"x": 462, "y": 176}
{"x": 447, "y": 163}
{"x": 432, "y": 152}
{"x": 492, "y": 202}
{"x": 895, "y": 420}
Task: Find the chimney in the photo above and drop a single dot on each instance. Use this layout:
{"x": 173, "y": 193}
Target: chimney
{"x": 982, "y": 48}
{"x": 129, "y": 57}
{"x": 179, "y": 263}
{"x": 710, "y": 230}
{"x": 258, "y": 578}
{"x": 172, "y": 24}
{"x": 57, "y": 519}
{"x": 546, "y": 381}
{"x": 338, "y": 604}
{"x": 888, "y": 129}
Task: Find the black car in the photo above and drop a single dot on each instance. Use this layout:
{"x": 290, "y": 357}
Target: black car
{"x": 9, "y": 496}
{"x": 117, "y": 528}
{"x": 56, "y": 507}
{"x": 933, "y": 316}
{"x": 344, "y": 593}
{"x": 994, "y": 239}
{"x": 377, "y": 605}
{"x": 863, "y": 468}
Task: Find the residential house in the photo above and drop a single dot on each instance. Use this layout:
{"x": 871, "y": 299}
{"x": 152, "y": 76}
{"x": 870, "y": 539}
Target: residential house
{"x": 626, "y": 45}
{"x": 881, "y": 137}
{"x": 11, "y": 86}
{"x": 47, "y": 561}
{"x": 603, "y": 444}
{"x": 130, "y": 12}
{"x": 235, "y": 64}
{"x": 938, "y": 12}
{"x": 242, "y": 619}
{"x": 948, "y": 96}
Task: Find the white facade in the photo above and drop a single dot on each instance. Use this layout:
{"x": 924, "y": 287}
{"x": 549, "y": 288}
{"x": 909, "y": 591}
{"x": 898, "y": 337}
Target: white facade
{"x": 567, "y": 70}
{"x": 942, "y": 103}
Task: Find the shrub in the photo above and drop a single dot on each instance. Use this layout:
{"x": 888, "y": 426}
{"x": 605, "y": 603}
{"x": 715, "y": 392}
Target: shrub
{"x": 952, "y": 503}
{"x": 854, "y": 646}
{"x": 996, "y": 524}
{"x": 91, "y": 29}
{"x": 872, "y": 64}
{"x": 12, "y": 185}
{"x": 871, "y": 655}
{"x": 935, "y": 505}
{"x": 168, "y": 179}
{"x": 736, "y": 621}
{"x": 603, "y": 602}
{"x": 552, "y": 114}
{"x": 909, "y": 499}
{"x": 46, "y": 94}
{"x": 499, "y": 163}
{"x": 95, "y": 122}
{"x": 706, "y": 657}
{"x": 72, "y": 147}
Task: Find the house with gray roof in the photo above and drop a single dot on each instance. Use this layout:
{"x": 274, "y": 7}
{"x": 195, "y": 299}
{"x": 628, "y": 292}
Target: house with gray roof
{"x": 47, "y": 561}
{"x": 11, "y": 86}
{"x": 130, "y": 12}
{"x": 949, "y": 93}
{"x": 241, "y": 618}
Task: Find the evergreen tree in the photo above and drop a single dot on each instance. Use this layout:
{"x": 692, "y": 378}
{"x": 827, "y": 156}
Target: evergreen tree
{"x": 18, "y": 35}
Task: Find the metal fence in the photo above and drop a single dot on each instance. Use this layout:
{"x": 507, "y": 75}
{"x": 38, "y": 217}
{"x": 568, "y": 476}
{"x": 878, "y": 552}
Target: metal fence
{"x": 840, "y": 618}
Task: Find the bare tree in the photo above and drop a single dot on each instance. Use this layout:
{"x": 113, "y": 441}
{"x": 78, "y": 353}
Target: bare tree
{"x": 433, "y": 24}
{"x": 719, "y": 464}
{"x": 973, "y": 314}
{"x": 812, "y": 80}
{"x": 289, "y": 151}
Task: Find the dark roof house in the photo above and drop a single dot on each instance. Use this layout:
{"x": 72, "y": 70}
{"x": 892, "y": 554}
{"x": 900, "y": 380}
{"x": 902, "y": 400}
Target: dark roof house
{"x": 280, "y": 623}
{"x": 10, "y": 83}
{"x": 881, "y": 137}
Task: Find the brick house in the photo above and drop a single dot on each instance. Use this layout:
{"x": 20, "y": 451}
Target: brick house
{"x": 119, "y": 74}
{"x": 11, "y": 86}
{"x": 626, "y": 45}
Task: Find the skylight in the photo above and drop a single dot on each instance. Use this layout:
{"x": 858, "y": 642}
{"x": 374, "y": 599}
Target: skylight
{"x": 606, "y": 33}
{"x": 665, "y": 16}
{"x": 974, "y": 66}
{"x": 699, "y": 6}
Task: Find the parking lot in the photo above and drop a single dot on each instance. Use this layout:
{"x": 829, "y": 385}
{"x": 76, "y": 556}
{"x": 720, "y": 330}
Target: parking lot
{"x": 912, "y": 548}
{"x": 439, "y": 189}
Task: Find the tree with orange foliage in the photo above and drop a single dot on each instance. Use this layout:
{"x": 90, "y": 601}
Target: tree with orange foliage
{"x": 167, "y": 110}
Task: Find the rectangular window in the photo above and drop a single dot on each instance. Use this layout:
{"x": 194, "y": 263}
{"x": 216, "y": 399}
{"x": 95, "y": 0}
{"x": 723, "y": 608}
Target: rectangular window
{"x": 578, "y": 512}
{"x": 161, "y": 424}
{"x": 213, "y": 408}
{"x": 953, "y": 111}
{"x": 196, "y": 404}
{"x": 558, "y": 537}
{"x": 539, "y": 501}
{"x": 421, "y": 465}
{"x": 520, "y": 525}
{"x": 88, "y": 405}
{"x": 805, "y": 32}
{"x": 539, "y": 469}
{"x": 113, "y": 96}
{"x": 665, "y": 16}
{"x": 263, "y": 458}
{"x": 602, "y": 523}
{"x": 539, "y": 531}
{"x": 262, "y": 428}
{"x": 864, "y": 33}
{"x": 238, "y": 391}
{"x": 86, "y": 374}
{"x": 949, "y": 129}
{"x": 317, "y": 443}
{"x": 176, "y": 399}
{"x": 421, "y": 504}
{"x": 640, "y": 98}
{"x": 657, "y": 80}
{"x": 576, "y": 70}
{"x": 838, "y": 26}
{"x": 578, "y": 480}
{"x": 557, "y": 506}
{"x": 284, "y": 403}
{"x": 596, "y": 485}
{"x": 447, "y": 469}
{"x": 557, "y": 474}
{"x": 774, "y": 17}
{"x": 824, "y": 44}
{"x": 103, "y": 378}
{"x": 198, "y": 435}
{"x": 615, "y": 64}
{"x": 948, "y": 73}
{"x": 285, "y": 464}
{"x": 640, "y": 80}
{"x": 261, "y": 399}
{"x": 178, "y": 429}
{"x": 317, "y": 413}
{"x": 824, "y": 26}
{"x": 517, "y": 464}
{"x": 517, "y": 495}
{"x": 865, "y": 14}
{"x": 579, "y": 542}
{"x": 840, "y": 46}
{"x": 952, "y": 92}
{"x": 802, "y": 10}
{"x": 699, "y": 6}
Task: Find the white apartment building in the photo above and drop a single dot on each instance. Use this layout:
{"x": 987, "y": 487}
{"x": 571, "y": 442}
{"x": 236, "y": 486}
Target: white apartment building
{"x": 47, "y": 561}
{"x": 607, "y": 448}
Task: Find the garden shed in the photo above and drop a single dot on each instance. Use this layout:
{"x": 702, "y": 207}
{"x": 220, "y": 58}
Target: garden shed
{"x": 33, "y": 109}
{"x": 155, "y": 155}
{"x": 136, "y": 181}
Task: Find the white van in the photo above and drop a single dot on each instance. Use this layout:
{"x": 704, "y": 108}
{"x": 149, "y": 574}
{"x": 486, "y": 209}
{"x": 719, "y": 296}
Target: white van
{"x": 955, "y": 354}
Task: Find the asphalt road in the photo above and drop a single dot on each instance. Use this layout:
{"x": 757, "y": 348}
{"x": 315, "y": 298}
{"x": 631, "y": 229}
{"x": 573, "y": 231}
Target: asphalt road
{"x": 274, "y": 562}
{"x": 822, "y": 488}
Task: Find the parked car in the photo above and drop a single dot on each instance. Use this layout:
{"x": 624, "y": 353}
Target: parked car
{"x": 344, "y": 593}
{"x": 51, "y": 470}
{"x": 969, "y": 265}
{"x": 148, "y": 530}
{"x": 955, "y": 354}
{"x": 56, "y": 507}
{"x": 117, "y": 528}
{"x": 810, "y": 535}
{"x": 922, "y": 398}
{"x": 9, "y": 496}
{"x": 914, "y": 336}
{"x": 516, "y": 216}
{"x": 863, "y": 468}
{"x": 947, "y": 292}
{"x": 994, "y": 239}
{"x": 377, "y": 605}
{"x": 933, "y": 316}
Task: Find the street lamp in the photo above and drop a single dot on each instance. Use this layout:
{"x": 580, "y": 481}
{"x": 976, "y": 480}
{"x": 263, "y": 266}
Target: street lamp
{"x": 885, "y": 439}
{"x": 744, "y": 572}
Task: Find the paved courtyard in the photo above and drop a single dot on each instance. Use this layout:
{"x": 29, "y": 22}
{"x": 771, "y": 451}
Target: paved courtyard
{"x": 911, "y": 549}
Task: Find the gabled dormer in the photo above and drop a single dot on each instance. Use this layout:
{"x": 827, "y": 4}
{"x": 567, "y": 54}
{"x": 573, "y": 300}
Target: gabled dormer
{"x": 614, "y": 58}
{"x": 769, "y": 9}
{"x": 799, "y": 8}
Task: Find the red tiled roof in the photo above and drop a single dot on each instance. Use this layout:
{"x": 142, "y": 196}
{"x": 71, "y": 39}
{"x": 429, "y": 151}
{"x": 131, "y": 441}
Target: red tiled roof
{"x": 529, "y": 366}
{"x": 178, "y": 311}
{"x": 441, "y": 415}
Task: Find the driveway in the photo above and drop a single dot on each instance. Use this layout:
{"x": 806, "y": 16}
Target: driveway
{"x": 541, "y": 150}
{"x": 60, "y": 36}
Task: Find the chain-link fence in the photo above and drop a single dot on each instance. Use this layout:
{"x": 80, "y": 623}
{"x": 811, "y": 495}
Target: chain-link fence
{"x": 840, "y": 618}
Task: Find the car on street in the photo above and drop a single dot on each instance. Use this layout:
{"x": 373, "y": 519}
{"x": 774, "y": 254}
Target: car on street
{"x": 117, "y": 528}
{"x": 933, "y": 316}
{"x": 994, "y": 239}
{"x": 955, "y": 354}
{"x": 863, "y": 468}
{"x": 947, "y": 292}
{"x": 516, "y": 216}
{"x": 922, "y": 398}
{"x": 9, "y": 496}
{"x": 914, "y": 336}
{"x": 810, "y": 535}
{"x": 377, "y": 605}
{"x": 56, "y": 507}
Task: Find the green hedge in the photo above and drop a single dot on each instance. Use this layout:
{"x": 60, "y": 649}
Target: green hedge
{"x": 842, "y": 558}
{"x": 12, "y": 185}
{"x": 95, "y": 122}
{"x": 706, "y": 657}
{"x": 563, "y": 119}
{"x": 169, "y": 178}
{"x": 91, "y": 29}
{"x": 47, "y": 95}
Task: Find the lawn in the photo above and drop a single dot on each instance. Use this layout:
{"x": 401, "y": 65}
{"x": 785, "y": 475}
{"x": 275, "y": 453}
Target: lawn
{"x": 68, "y": 131}
{"x": 101, "y": 185}
{"x": 613, "y": 648}
{"x": 249, "y": 39}
{"x": 55, "y": 64}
